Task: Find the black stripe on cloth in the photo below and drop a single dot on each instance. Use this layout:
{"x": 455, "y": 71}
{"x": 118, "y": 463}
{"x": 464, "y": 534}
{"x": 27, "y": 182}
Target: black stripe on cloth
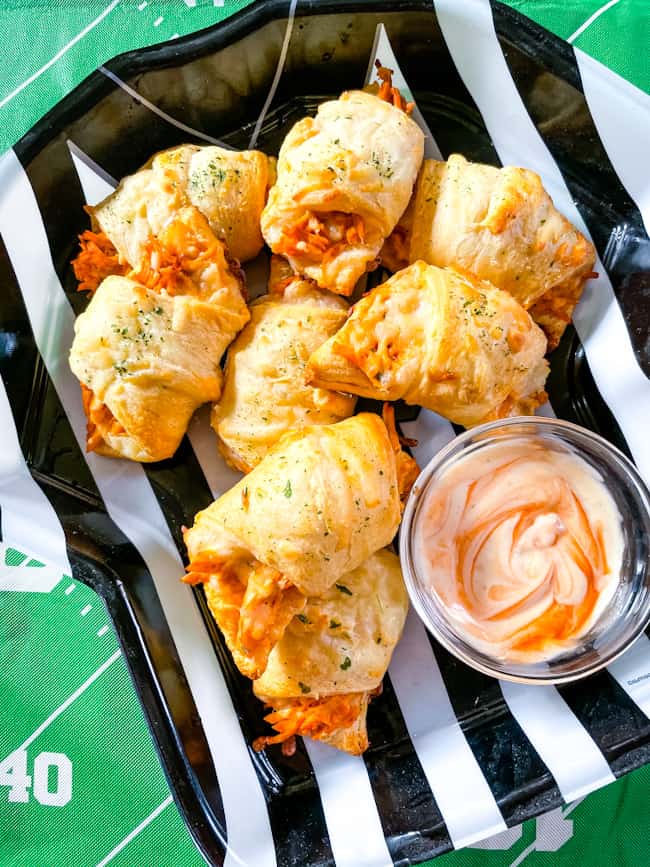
{"x": 614, "y": 721}
{"x": 519, "y": 780}
{"x": 411, "y": 820}
{"x": 558, "y": 108}
{"x": 182, "y": 490}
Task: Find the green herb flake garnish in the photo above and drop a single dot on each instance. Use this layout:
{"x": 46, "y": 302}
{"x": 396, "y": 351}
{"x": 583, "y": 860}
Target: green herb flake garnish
{"x": 347, "y": 662}
{"x": 287, "y": 489}
{"x": 303, "y": 687}
{"x": 343, "y": 589}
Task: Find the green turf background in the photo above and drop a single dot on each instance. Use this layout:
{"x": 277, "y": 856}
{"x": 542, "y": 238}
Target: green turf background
{"x": 48, "y": 648}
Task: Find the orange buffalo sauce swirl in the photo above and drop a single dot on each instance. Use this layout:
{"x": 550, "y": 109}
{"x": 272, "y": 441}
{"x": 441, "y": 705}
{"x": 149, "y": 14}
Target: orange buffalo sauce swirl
{"x": 522, "y": 544}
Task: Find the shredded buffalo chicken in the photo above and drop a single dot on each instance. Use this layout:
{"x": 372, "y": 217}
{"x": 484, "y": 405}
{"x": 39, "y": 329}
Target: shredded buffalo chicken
{"x": 389, "y": 93}
{"x": 407, "y": 469}
{"x": 179, "y": 254}
{"x": 311, "y": 717}
{"x": 97, "y": 260}
{"x": 101, "y": 420}
{"x": 322, "y": 236}
{"x": 253, "y": 606}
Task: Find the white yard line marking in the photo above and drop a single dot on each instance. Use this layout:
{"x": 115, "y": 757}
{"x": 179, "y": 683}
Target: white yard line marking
{"x": 177, "y": 123}
{"x": 135, "y": 832}
{"x": 59, "y": 53}
{"x": 158, "y": 21}
{"x": 66, "y": 704}
{"x": 142, "y": 5}
{"x": 190, "y": 3}
{"x": 85, "y": 610}
{"x": 591, "y": 20}
{"x": 218, "y": 2}
{"x": 174, "y": 35}
{"x": 102, "y": 631}
{"x": 523, "y": 855}
{"x": 69, "y": 590}
{"x": 278, "y": 74}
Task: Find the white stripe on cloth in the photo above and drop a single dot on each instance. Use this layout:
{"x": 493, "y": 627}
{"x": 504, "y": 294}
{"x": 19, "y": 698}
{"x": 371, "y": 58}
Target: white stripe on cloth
{"x": 350, "y": 811}
{"x": 25, "y": 507}
{"x": 563, "y": 744}
{"x": 468, "y": 29}
{"x": 632, "y": 672}
{"x": 455, "y": 777}
{"x": 382, "y": 50}
{"x": 621, "y": 113}
{"x": 132, "y": 505}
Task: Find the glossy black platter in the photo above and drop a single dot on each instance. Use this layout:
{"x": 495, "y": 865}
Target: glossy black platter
{"x": 216, "y": 82}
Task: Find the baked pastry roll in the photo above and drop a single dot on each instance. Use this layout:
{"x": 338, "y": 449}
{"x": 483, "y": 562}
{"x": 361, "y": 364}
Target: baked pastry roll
{"x": 147, "y": 349}
{"x": 320, "y": 503}
{"x": 501, "y": 225}
{"x": 333, "y": 656}
{"x": 228, "y": 187}
{"x": 264, "y": 393}
{"x": 446, "y": 341}
{"x": 344, "y": 179}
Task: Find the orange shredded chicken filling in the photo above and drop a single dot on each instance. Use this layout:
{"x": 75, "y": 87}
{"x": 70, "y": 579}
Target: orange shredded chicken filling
{"x": 101, "y": 420}
{"x": 407, "y": 469}
{"x": 171, "y": 262}
{"x": 315, "y": 718}
{"x": 389, "y": 93}
{"x": 97, "y": 260}
{"x": 255, "y": 605}
{"x": 322, "y": 237}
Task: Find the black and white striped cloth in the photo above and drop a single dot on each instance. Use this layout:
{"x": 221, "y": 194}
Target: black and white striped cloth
{"x": 428, "y": 782}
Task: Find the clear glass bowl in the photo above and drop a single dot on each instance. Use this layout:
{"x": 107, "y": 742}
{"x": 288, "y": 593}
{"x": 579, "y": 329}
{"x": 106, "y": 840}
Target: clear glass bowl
{"x": 626, "y": 615}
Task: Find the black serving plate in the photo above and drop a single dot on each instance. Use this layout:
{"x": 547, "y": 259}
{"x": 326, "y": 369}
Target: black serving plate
{"x": 214, "y": 85}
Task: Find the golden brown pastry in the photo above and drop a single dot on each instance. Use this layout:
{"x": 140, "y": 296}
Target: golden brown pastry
{"x": 445, "y": 341}
{"x": 344, "y": 179}
{"x": 333, "y": 656}
{"x": 228, "y": 187}
{"x": 147, "y": 348}
{"x": 501, "y": 225}
{"x": 264, "y": 393}
{"x": 320, "y": 503}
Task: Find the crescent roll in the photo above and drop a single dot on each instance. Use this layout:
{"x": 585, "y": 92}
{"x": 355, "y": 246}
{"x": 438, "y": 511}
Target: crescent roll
{"x": 320, "y": 503}
{"x": 228, "y": 188}
{"x": 440, "y": 339}
{"x": 148, "y": 347}
{"x": 264, "y": 393}
{"x": 501, "y": 225}
{"x": 344, "y": 178}
{"x": 333, "y": 656}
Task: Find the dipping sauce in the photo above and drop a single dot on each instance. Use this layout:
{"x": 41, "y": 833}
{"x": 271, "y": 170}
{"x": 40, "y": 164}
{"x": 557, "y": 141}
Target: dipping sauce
{"x": 522, "y": 543}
